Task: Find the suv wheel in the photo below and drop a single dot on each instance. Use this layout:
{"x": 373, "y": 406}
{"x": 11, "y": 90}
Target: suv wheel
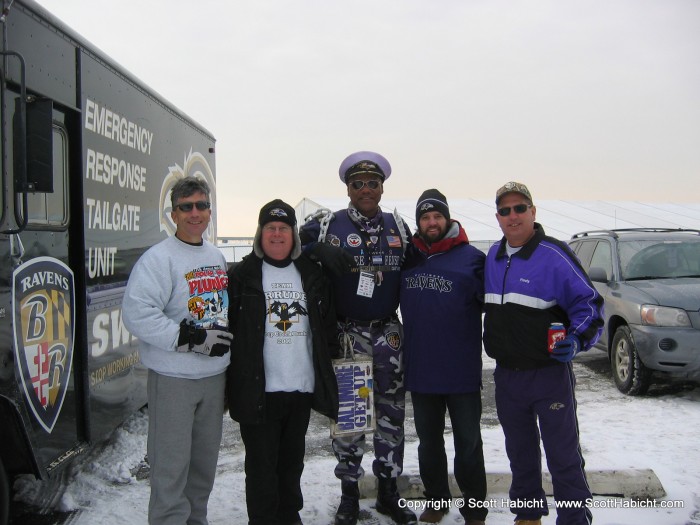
{"x": 630, "y": 375}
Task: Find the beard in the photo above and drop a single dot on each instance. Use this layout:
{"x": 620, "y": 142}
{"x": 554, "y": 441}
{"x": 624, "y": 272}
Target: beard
{"x": 433, "y": 235}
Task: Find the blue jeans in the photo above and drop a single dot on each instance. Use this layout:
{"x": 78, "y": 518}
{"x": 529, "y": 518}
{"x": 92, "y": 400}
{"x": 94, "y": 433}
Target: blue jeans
{"x": 469, "y": 471}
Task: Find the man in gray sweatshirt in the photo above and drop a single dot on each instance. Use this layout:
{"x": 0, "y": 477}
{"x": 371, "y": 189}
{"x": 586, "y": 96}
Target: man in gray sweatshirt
{"x": 176, "y": 303}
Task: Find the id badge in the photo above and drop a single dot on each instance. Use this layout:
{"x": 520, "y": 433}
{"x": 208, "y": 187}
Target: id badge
{"x": 365, "y": 287}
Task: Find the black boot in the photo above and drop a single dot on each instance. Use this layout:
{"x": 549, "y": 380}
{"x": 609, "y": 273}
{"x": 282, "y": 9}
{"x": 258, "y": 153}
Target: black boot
{"x": 349, "y": 509}
{"x": 388, "y": 503}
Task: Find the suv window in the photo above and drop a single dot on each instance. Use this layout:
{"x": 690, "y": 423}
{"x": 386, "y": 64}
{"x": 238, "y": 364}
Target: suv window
{"x": 648, "y": 259}
{"x": 602, "y": 258}
{"x": 583, "y": 251}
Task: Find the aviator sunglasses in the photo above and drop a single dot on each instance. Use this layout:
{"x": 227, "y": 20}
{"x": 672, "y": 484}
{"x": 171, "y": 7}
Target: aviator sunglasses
{"x": 359, "y": 184}
{"x": 518, "y": 208}
{"x": 187, "y": 206}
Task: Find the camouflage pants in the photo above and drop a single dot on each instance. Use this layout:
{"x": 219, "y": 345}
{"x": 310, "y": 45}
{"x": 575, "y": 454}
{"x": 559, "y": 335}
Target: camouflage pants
{"x": 383, "y": 344}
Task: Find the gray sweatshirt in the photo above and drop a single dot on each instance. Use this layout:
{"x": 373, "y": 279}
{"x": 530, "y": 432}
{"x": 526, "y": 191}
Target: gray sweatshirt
{"x": 173, "y": 281}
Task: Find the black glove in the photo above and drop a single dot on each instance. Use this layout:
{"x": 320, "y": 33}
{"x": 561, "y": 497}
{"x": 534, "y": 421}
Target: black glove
{"x": 187, "y": 330}
{"x": 213, "y": 343}
{"x": 333, "y": 258}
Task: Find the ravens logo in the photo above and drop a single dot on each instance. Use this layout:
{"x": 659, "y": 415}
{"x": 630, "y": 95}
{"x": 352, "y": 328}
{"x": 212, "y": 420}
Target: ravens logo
{"x": 285, "y": 312}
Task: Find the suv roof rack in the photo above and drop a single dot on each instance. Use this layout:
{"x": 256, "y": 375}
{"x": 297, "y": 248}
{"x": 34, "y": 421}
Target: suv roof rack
{"x": 614, "y": 232}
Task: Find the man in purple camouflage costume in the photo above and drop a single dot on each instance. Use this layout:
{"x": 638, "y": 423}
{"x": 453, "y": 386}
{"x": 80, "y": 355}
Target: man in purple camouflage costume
{"x": 362, "y": 248}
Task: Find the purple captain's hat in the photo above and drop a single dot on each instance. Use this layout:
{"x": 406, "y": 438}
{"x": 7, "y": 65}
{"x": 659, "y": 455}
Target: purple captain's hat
{"x": 364, "y": 162}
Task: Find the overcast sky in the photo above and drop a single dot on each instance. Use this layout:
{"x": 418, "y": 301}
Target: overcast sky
{"x": 579, "y": 99}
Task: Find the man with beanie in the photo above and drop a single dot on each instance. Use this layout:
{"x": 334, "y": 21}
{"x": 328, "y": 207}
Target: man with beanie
{"x": 186, "y": 350}
{"x": 442, "y": 291}
{"x": 362, "y": 248}
{"x": 283, "y": 321}
{"x": 532, "y": 281}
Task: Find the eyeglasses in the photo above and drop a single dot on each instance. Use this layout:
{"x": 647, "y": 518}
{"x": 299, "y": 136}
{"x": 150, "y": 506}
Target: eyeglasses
{"x": 518, "y": 208}
{"x": 281, "y": 229}
{"x": 187, "y": 206}
{"x": 359, "y": 184}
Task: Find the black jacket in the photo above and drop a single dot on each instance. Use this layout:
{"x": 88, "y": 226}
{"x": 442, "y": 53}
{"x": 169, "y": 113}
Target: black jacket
{"x": 245, "y": 384}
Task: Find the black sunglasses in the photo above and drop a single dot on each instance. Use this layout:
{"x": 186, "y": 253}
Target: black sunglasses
{"x": 518, "y": 208}
{"x": 187, "y": 206}
{"x": 359, "y": 184}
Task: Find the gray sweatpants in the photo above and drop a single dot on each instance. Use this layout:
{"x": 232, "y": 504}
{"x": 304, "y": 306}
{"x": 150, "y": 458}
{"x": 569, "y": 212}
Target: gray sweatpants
{"x": 185, "y": 417}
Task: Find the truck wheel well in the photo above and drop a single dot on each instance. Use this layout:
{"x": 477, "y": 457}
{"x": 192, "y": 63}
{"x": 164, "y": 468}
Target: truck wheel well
{"x": 15, "y": 450}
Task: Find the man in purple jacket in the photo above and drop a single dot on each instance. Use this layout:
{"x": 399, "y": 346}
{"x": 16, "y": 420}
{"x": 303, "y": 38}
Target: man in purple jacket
{"x": 532, "y": 281}
{"x": 442, "y": 286}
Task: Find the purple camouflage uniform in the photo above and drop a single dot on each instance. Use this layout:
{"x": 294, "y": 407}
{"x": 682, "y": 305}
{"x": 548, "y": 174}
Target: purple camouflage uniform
{"x": 374, "y": 330}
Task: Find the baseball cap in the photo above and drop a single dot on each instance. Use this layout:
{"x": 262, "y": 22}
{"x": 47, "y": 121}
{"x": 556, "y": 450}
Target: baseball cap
{"x": 513, "y": 187}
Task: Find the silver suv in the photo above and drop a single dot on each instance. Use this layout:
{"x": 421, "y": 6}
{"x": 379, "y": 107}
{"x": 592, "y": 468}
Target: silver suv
{"x": 650, "y": 280}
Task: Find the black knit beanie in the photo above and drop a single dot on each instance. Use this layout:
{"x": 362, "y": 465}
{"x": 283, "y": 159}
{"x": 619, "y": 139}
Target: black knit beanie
{"x": 432, "y": 200}
{"x": 277, "y": 210}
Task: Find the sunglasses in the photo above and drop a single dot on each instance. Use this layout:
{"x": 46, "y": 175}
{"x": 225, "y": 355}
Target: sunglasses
{"x": 187, "y": 206}
{"x": 518, "y": 208}
{"x": 359, "y": 184}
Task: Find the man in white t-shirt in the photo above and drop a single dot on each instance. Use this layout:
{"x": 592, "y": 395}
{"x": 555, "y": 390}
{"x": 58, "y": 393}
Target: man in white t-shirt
{"x": 283, "y": 321}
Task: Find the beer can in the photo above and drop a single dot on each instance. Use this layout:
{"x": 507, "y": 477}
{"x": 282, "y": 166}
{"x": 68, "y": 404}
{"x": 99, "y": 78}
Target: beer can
{"x": 556, "y": 332}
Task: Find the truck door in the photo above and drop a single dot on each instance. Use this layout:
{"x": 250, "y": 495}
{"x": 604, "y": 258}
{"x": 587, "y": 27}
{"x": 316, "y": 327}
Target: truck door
{"x": 44, "y": 270}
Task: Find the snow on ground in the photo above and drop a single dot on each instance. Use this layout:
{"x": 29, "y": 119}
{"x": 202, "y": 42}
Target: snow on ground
{"x": 658, "y": 432}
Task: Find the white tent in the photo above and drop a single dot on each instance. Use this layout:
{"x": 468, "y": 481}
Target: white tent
{"x": 560, "y": 219}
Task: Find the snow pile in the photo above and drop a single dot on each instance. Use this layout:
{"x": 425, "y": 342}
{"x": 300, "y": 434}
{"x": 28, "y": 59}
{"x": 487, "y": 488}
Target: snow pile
{"x": 656, "y": 432}
{"x": 99, "y": 476}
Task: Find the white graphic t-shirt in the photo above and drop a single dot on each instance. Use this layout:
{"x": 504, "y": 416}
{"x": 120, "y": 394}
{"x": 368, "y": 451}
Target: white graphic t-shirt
{"x": 287, "y": 351}
{"x": 207, "y": 301}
